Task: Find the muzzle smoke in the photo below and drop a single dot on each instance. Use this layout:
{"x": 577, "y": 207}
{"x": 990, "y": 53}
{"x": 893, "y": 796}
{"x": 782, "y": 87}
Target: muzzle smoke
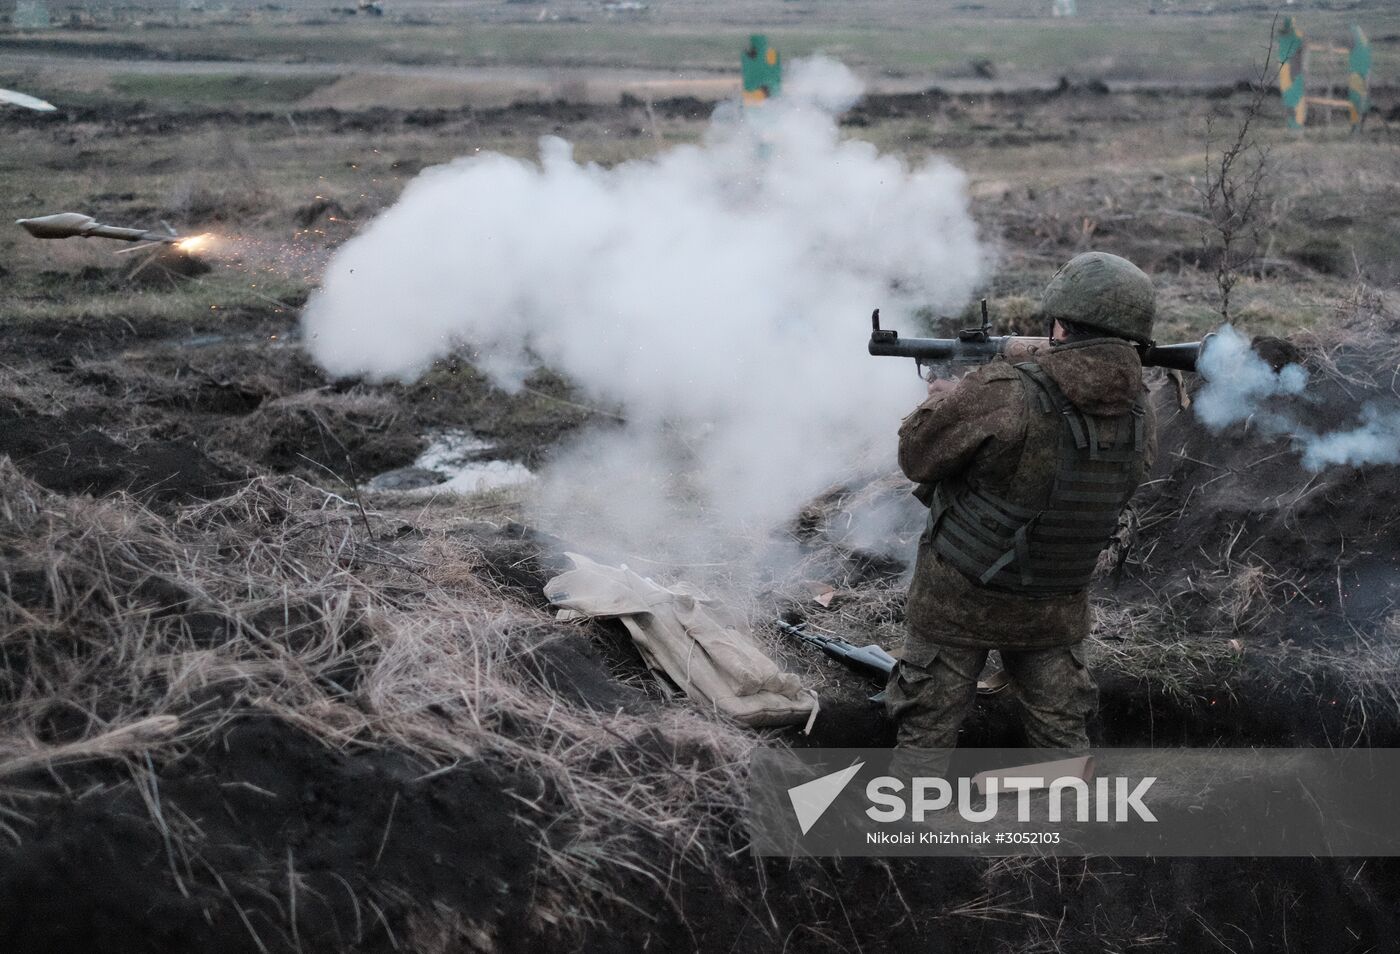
{"x": 1240, "y": 386}
{"x": 718, "y": 293}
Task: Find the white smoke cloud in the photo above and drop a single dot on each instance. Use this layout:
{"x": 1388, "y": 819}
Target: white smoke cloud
{"x": 1375, "y": 441}
{"x": 1238, "y": 380}
{"x": 718, "y": 293}
{"x": 1239, "y": 383}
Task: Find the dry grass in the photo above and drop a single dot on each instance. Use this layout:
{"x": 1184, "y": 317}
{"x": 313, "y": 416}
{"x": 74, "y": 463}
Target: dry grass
{"x": 1364, "y": 325}
{"x": 1361, "y": 679}
{"x": 1355, "y": 679}
{"x": 319, "y": 411}
{"x": 127, "y": 634}
{"x": 1143, "y": 643}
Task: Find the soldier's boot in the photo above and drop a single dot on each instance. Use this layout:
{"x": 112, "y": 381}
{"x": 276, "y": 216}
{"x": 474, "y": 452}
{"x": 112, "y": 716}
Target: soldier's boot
{"x": 1057, "y": 695}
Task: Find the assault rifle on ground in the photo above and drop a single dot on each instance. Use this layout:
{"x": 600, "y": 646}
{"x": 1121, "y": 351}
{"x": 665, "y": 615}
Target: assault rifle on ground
{"x": 871, "y": 660}
{"x": 874, "y": 661}
{"x": 976, "y": 345}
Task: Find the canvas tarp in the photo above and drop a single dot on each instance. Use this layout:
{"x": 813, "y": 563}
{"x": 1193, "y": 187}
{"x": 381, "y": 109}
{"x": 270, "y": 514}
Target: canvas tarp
{"x": 695, "y": 641}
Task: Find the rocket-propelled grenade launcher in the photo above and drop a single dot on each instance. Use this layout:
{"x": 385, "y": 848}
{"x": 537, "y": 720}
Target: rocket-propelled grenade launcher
{"x": 64, "y": 225}
{"x": 976, "y": 345}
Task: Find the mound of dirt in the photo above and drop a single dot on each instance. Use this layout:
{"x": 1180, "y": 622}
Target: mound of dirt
{"x": 241, "y": 744}
{"x": 1242, "y": 538}
{"x": 347, "y": 436}
{"x": 261, "y": 838}
{"x": 67, "y": 453}
{"x": 165, "y": 266}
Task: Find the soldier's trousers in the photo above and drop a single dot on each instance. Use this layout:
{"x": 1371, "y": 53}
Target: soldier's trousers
{"x": 932, "y": 690}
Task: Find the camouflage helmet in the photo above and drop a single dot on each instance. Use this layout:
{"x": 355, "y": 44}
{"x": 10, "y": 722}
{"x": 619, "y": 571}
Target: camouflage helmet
{"x": 1104, "y": 292}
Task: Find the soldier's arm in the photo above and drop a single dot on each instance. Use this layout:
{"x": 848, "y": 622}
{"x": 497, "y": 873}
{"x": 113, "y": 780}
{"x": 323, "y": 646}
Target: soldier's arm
{"x": 943, "y": 435}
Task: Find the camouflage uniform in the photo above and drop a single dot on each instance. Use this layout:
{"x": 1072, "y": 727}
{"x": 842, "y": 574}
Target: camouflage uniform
{"x": 990, "y": 434}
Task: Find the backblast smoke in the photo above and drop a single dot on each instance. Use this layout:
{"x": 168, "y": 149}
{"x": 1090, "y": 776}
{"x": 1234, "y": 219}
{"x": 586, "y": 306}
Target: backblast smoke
{"x": 1241, "y": 386}
{"x": 718, "y": 294}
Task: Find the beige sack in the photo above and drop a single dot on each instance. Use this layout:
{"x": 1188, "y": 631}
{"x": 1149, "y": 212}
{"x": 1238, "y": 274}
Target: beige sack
{"x": 693, "y": 640}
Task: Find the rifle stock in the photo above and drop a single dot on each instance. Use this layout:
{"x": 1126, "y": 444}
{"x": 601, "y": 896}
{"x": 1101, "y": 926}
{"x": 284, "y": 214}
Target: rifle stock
{"x": 872, "y": 659}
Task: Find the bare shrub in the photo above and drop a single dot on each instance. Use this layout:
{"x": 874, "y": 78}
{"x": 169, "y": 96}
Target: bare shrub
{"x": 1233, "y": 191}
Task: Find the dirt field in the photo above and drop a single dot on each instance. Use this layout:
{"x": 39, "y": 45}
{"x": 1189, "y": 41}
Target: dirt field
{"x": 252, "y": 701}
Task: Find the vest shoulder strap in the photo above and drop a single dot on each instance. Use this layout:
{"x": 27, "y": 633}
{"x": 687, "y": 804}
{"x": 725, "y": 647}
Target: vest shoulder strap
{"x": 1083, "y": 427}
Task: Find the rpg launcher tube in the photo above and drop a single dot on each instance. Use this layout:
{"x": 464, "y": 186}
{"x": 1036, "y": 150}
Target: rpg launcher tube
{"x": 976, "y": 345}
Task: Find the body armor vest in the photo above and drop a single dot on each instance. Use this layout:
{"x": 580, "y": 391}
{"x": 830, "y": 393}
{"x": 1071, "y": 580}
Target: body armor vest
{"x": 1076, "y": 473}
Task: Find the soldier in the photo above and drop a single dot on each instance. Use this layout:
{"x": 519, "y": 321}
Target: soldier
{"x": 1025, "y": 469}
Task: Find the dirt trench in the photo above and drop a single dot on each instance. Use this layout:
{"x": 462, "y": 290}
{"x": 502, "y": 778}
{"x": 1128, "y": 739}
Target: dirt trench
{"x": 262, "y": 838}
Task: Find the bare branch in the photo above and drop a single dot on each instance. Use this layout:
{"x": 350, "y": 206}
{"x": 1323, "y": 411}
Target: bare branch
{"x": 1233, "y": 191}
